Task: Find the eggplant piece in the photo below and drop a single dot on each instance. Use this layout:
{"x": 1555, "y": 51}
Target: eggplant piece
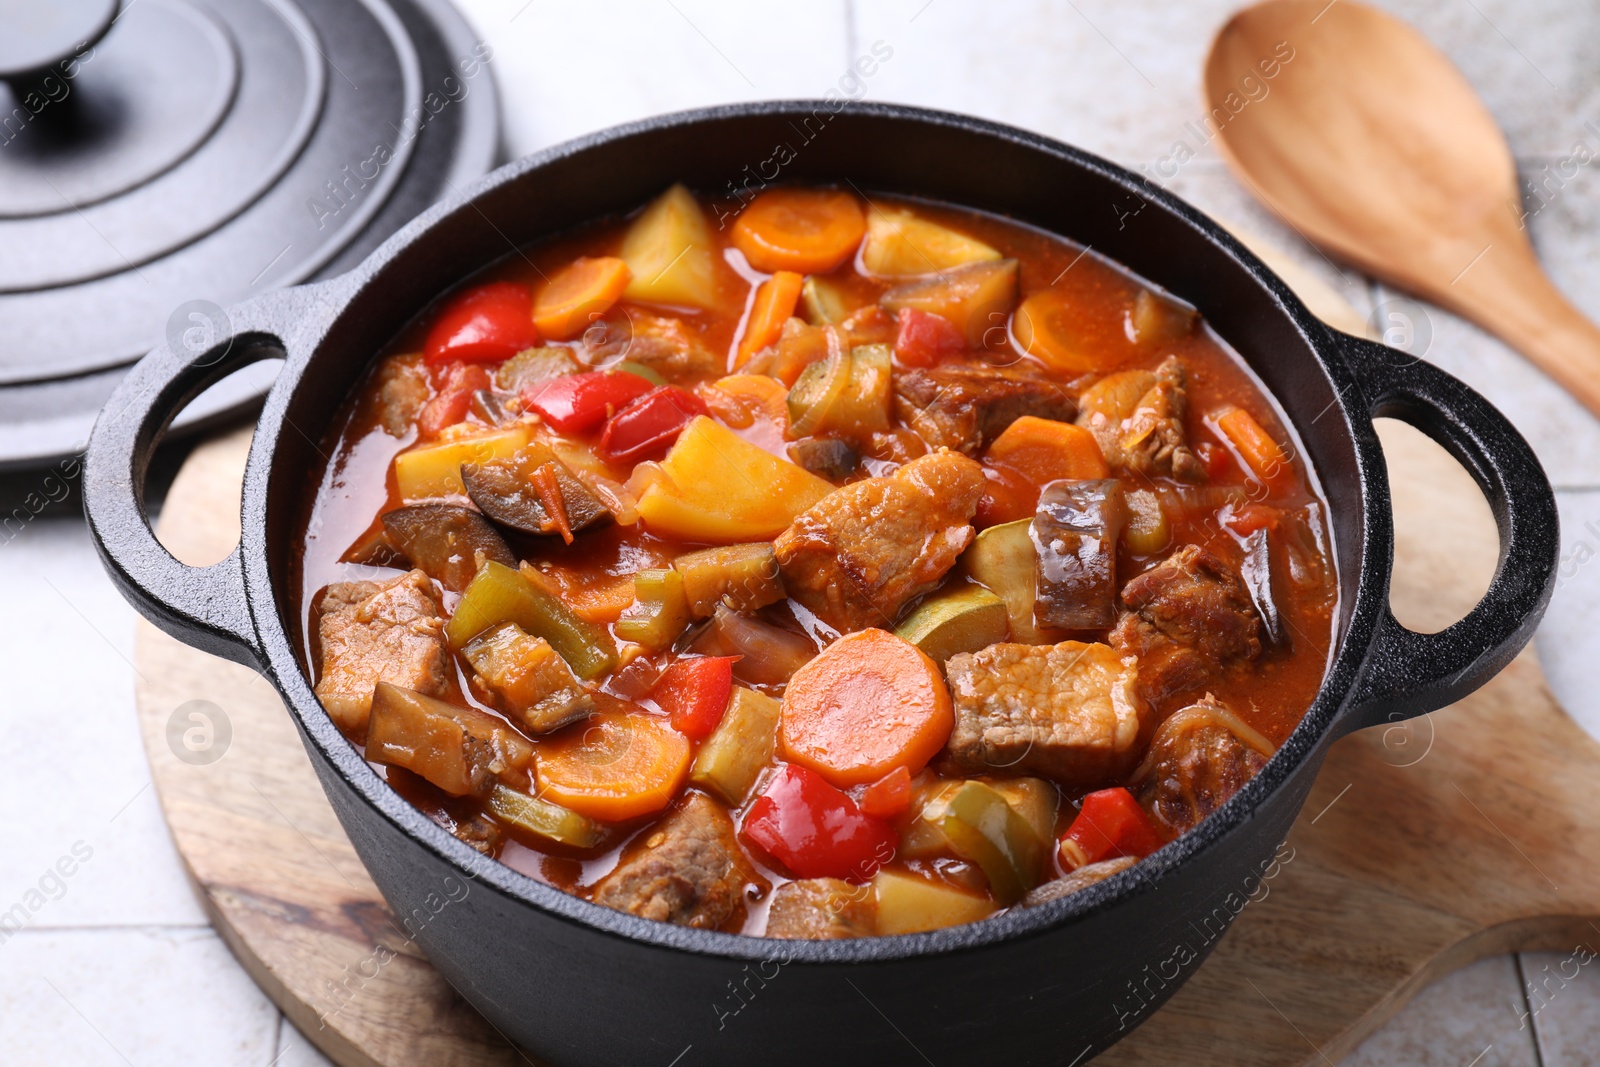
{"x": 745, "y": 577}
{"x": 463, "y": 751}
{"x": 530, "y": 681}
{"x": 826, "y": 457}
{"x": 496, "y": 409}
{"x": 533, "y": 366}
{"x": 1256, "y": 570}
{"x": 1075, "y": 534}
{"x": 533, "y": 492}
{"x": 447, "y": 542}
{"x": 372, "y": 549}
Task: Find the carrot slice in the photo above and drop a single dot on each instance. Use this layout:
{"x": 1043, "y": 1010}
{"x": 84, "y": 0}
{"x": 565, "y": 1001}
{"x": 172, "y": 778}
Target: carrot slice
{"x": 1265, "y": 458}
{"x": 614, "y": 766}
{"x": 807, "y": 230}
{"x": 1043, "y": 450}
{"x": 1070, "y": 334}
{"x": 774, "y": 305}
{"x": 869, "y": 703}
{"x": 578, "y": 294}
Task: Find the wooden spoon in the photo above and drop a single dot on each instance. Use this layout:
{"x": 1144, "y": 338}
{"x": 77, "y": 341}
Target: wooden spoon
{"x": 1372, "y": 145}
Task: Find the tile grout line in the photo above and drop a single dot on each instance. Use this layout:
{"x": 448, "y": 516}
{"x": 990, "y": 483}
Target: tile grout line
{"x": 1527, "y": 1007}
{"x": 111, "y": 928}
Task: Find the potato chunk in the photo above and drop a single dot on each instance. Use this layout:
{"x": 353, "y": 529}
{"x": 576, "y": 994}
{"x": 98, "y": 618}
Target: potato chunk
{"x": 716, "y": 487}
{"x": 1071, "y": 712}
{"x": 977, "y": 299}
{"x": 900, "y": 243}
{"x": 668, "y": 250}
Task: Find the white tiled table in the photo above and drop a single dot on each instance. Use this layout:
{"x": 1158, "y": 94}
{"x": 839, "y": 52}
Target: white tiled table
{"x": 120, "y": 966}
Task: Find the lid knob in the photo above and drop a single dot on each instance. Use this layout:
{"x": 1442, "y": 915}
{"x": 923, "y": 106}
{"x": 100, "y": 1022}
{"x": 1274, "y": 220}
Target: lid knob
{"x": 38, "y": 34}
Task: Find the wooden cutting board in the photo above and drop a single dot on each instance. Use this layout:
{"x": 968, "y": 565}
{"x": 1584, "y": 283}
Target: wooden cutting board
{"x": 1422, "y": 847}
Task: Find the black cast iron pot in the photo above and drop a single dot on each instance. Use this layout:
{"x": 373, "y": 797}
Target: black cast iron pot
{"x": 579, "y": 984}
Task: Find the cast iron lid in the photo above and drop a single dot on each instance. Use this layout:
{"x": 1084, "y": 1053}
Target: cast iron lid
{"x": 166, "y": 158}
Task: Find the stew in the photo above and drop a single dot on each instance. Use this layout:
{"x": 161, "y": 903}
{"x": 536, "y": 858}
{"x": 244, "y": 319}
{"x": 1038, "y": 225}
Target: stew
{"x": 864, "y": 566}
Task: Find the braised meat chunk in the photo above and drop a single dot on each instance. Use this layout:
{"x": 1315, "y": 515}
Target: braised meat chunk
{"x": 690, "y": 870}
{"x": 827, "y": 457}
{"x": 964, "y": 407}
{"x": 378, "y": 631}
{"x": 663, "y": 344}
{"x": 823, "y": 909}
{"x": 1190, "y": 618}
{"x": 863, "y": 551}
{"x": 1155, "y": 441}
{"x": 1071, "y": 712}
{"x": 400, "y": 390}
{"x": 1199, "y": 758}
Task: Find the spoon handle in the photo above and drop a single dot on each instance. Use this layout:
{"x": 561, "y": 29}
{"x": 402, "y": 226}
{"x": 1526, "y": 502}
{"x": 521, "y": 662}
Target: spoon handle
{"x": 1511, "y": 296}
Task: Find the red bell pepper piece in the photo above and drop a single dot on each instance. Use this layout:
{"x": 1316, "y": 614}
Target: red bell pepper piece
{"x": 694, "y": 693}
{"x": 1215, "y": 458}
{"x": 1110, "y": 823}
{"x": 649, "y": 425}
{"x": 815, "y": 830}
{"x": 453, "y": 397}
{"x": 925, "y": 339}
{"x": 583, "y": 401}
{"x": 889, "y": 796}
{"x": 1246, "y": 519}
{"x": 488, "y": 324}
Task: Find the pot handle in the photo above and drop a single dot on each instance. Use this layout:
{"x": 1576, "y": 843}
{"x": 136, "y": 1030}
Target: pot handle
{"x": 202, "y": 606}
{"x": 1408, "y": 673}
